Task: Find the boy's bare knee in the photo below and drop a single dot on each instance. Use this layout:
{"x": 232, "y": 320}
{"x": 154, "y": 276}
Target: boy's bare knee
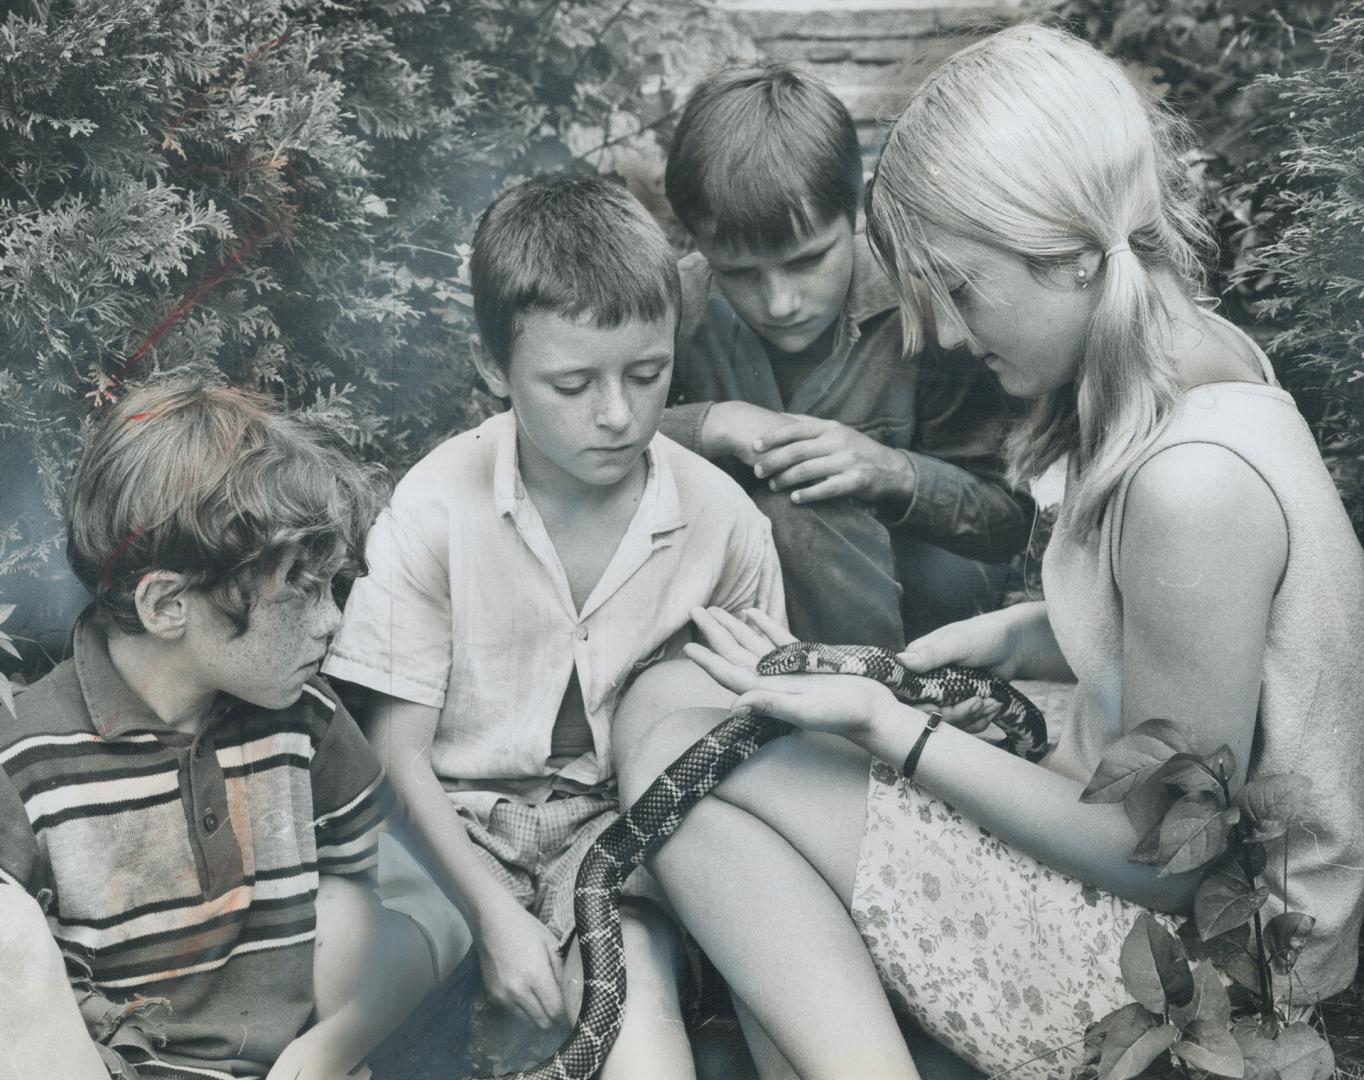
{"x": 661, "y": 693}
{"x": 659, "y": 747}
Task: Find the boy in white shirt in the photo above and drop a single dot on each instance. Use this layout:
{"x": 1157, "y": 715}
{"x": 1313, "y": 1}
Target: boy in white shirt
{"x": 525, "y": 572}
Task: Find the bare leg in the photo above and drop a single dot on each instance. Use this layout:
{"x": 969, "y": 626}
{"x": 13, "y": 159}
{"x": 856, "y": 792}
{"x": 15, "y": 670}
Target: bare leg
{"x": 372, "y": 967}
{"x": 653, "y": 1041}
{"x": 41, "y": 1030}
{"x": 771, "y": 1063}
{"x": 762, "y": 873}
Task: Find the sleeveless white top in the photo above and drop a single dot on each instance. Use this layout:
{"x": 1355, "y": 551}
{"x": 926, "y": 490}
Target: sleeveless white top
{"x": 1311, "y": 711}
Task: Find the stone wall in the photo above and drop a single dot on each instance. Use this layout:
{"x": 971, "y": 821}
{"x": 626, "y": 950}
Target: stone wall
{"x": 871, "y": 52}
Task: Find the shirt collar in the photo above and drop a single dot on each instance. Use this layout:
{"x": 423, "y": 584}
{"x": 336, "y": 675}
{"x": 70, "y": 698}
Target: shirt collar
{"x": 870, "y": 292}
{"x": 660, "y": 507}
{"x": 115, "y": 710}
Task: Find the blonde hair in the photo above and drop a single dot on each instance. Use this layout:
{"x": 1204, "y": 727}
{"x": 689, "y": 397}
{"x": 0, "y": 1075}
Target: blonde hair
{"x": 1035, "y": 143}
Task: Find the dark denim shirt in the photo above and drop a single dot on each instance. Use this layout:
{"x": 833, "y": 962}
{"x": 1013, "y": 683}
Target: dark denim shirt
{"x": 944, "y": 411}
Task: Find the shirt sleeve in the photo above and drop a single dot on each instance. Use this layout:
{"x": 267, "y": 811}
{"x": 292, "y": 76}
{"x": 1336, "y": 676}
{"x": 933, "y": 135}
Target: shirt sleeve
{"x": 395, "y": 634}
{"x": 682, "y": 423}
{"x": 961, "y": 501}
{"x": 753, "y": 574}
{"x": 352, "y": 798}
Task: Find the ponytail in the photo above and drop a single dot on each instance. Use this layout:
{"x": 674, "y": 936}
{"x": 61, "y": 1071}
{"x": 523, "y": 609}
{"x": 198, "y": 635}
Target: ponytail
{"x": 1120, "y": 399}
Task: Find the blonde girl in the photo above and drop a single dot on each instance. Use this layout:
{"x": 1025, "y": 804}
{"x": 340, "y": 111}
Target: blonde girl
{"x": 1029, "y": 204}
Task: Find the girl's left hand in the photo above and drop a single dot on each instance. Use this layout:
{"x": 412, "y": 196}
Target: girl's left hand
{"x": 845, "y": 705}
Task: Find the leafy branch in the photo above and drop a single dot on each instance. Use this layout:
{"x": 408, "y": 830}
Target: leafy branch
{"x": 1182, "y": 1021}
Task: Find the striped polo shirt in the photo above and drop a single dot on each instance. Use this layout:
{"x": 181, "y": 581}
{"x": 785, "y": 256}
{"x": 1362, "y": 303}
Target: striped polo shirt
{"x": 181, "y": 867}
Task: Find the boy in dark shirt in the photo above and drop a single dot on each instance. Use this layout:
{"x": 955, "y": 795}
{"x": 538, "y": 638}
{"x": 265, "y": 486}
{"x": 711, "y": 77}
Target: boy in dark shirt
{"x": 879, "y": 471}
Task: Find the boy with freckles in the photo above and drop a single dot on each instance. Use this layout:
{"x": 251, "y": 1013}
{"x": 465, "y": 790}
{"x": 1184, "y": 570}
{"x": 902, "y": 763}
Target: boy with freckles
{"x": 188, "y": 816}
{"x": 523, "y": 574}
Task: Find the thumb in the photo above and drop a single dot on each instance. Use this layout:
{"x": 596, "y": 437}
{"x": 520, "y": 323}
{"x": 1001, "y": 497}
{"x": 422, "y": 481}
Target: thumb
{"x": 933, "y": 650}
{"x": 752, "y": 703}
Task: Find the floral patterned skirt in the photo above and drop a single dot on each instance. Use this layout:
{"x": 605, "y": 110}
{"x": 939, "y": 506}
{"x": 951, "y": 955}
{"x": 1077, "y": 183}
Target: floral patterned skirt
{"x": 1002, "y": 959}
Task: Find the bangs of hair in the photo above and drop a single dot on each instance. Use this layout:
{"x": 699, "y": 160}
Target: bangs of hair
{"x": 763, "y": 156}
{"x": 572, "y": 245}
{"x": 219, "y": 486}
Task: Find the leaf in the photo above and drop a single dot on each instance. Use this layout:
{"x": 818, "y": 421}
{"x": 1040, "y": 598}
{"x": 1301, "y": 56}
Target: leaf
{"x": 1147, "y": 850}
{"x": 1132, "y": 1042}
{"x": 1221, "y": 763}
{"x": 1269, "y": 801}
{"x": 1194, "y": 832}
{"x": 7, "y": 696}
{"x": 1189, "y": 774}
{"x": 1297, "y": 1053}
{"x": 6, "y": 610}
{"x": 7, "y": 643}
{"x": 1155, "y": 970}
{"x": 1225, "y": 899}
{"x": 1215, "y": 948}
{"x": 1207, "y": 1044}
{"x": 1133, "y": 759}
{"x": 1284, "y": 937}
{"x": 1209, "y": 1002}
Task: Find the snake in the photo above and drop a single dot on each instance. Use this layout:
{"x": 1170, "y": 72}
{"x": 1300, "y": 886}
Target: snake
{"x": 655, "y": 816}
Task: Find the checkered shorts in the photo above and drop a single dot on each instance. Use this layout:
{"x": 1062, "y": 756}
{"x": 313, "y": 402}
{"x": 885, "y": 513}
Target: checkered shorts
{"x": 535, "y": 851}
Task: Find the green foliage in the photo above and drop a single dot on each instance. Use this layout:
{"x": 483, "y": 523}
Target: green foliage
{"x": 1204, "y": 56}
{"x": 284, "y": 191}
{"x": 1310, "y": 275}
{"x": 1182, "y": 1022}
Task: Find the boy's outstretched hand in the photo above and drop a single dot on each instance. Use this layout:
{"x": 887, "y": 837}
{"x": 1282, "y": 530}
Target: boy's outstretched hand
{"x": 823, "y": 459}
{"x": 521, "y": 965}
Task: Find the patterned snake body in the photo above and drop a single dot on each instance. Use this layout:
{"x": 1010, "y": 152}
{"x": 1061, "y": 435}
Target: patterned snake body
{"x": 656, "y": 815}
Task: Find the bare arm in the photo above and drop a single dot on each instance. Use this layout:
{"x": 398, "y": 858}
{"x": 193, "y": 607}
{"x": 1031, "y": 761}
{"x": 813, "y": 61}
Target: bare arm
{"x": 1201, "y": 555}
{"x": 519, "y": 957}
{"x": 1013, "y": 643}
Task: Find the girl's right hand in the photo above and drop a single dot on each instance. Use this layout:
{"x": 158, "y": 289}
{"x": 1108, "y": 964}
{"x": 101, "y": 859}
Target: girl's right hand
{"x": 988, "y": 642}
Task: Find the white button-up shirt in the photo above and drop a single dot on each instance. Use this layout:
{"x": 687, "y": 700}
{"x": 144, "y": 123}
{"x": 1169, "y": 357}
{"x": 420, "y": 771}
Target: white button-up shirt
{"x": 467, "y": 607}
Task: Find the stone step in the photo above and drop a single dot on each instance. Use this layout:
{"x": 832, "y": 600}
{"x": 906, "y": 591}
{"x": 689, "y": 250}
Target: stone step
{"x": 872, "y": 53}
{"x": 826, "y": 24}
{"x": 901, "y": 64}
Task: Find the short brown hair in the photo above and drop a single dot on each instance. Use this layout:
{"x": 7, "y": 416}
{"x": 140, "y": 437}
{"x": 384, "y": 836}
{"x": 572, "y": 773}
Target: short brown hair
{"x": 763, "y": 156}
{"x": 217, "y": 484}
{"x": 568, "y": 244}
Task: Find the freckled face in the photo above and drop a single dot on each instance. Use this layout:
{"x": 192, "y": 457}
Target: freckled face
{"x": 587, "y": 398}
{"x": 289, "y": 627}
{"x": 1027, "y": 327}
{"x": 792, "y": 295}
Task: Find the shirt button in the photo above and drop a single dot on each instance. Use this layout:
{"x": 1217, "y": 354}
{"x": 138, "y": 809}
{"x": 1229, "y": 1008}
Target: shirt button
{"x": 210, "y": 822}
{"x": 582, "y": 633}
{"x": 199, "y": 750}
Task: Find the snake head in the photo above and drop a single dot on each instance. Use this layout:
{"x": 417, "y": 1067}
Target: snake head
{"x": 816, "y": 658}
{"x": 794, "y": 658}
